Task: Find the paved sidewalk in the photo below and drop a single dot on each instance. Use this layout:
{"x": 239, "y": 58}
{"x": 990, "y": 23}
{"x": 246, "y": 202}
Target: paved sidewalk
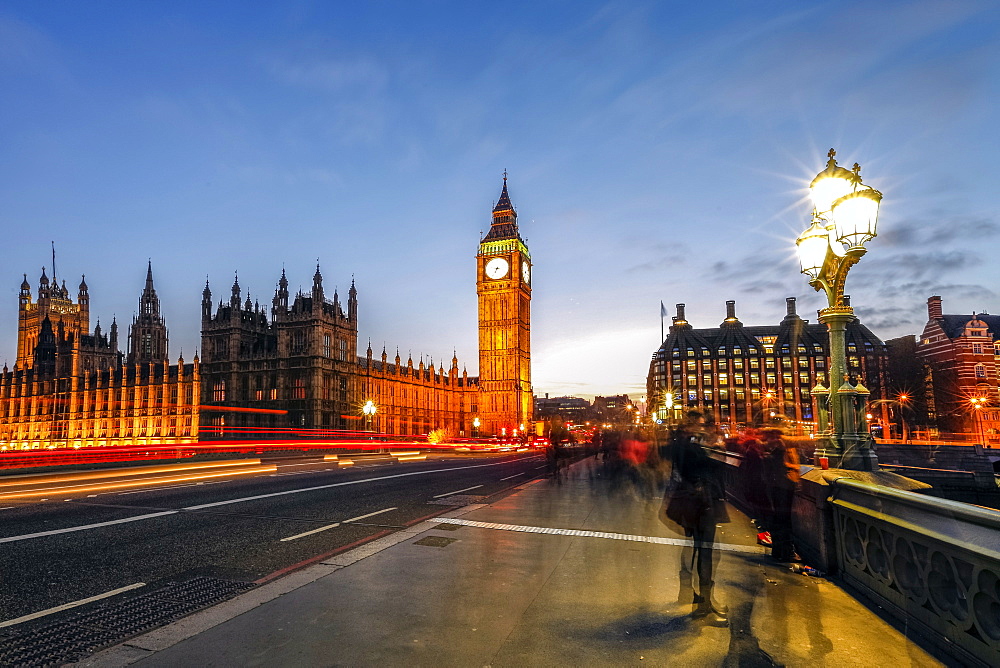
{"x": 572, "y": 573}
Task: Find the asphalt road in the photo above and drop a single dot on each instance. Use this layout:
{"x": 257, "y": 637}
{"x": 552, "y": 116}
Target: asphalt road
{"x": 250, "y": 527}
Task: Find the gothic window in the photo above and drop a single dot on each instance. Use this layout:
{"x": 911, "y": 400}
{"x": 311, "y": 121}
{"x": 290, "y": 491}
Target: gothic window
{"x": 343, "y": 388}
{"x": 299, "y": 388}
{"x": 326, "y": 345}
{"x": 342, "y": 352}
{"x": 147, "y": 344}
{"x": 219, "y": 391}
{"x": 298, "y": 341}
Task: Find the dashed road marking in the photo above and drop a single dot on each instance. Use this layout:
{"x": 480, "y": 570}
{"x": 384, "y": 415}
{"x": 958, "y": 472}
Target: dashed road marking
{"x": 335, "y": 525}
{"x": 67, "y": 606}
{"x": 438, "y": 496}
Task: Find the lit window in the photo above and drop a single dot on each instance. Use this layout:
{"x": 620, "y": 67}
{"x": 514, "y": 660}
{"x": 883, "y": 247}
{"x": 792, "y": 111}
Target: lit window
{"x": 977, "y": 349}
{"x": 980, "y": 371}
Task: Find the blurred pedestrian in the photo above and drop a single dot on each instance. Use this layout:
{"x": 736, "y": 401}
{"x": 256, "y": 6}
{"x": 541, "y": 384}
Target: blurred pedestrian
{"x": 755, "y": 484}
{"x": 697, "y": 504}
{"x": 782, "y": 471}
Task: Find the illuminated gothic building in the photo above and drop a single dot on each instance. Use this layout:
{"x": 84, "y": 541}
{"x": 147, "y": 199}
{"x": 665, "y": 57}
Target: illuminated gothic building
{"x": 418, "y": 399}
{"x": 73, "y": 388}
{"x": 297, "y": 373}
{"x": 753, "y": 375}
{"x": 960, "y": 355}
{"x": 296, "y": 369}
{"x": 503, "y": 283}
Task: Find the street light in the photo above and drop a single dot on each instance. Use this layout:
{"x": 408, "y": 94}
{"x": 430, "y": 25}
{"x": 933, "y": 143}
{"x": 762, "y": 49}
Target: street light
{"x": 369, "y": 409}
{"x": 475, "y": 427}
{"x": 978, "y": 404}
{"x": 844, "y": 217}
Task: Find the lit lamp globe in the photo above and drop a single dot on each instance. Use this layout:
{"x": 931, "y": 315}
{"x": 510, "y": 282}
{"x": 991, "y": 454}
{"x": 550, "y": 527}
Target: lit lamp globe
{"x": 830, "y": 185}
{"x": 812, "y": 246}
{"x": 855, "y": 216}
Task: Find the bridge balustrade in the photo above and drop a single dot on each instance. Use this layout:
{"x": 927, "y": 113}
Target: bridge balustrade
{"x": 933, "y": 563}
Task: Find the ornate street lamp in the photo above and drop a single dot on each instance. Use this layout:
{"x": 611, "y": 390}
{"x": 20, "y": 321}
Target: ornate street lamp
{"x": 369, "y": 409}
{"x": 475, "y": 427}
{"x": 843, "y": 221}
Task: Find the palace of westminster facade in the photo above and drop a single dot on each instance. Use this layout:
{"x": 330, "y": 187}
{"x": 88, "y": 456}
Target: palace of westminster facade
{"x": 291, "y": 373}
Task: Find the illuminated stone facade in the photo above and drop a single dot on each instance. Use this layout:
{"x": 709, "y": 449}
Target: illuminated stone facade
{"x": 754, "y": 375}
{"x": 417, "y": 400}
{"x": 72, "y": 388}
{"x": 503, "y": 282}
{"x": 297, "y": 373}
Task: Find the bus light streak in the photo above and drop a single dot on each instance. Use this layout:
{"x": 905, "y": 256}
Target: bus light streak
{"x": 44, "y": 478}
{"x": 125, "y": 484}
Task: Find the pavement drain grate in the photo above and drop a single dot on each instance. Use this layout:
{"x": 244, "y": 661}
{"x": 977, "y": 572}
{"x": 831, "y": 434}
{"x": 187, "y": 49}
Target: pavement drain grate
{"x": 458, "y": 500}
{"x": 83, "y": 633}
{"x": 435, "y": 541}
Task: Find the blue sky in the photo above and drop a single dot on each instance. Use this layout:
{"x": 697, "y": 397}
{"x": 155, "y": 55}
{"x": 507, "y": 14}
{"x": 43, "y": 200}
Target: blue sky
{"x": 656, "y": 151}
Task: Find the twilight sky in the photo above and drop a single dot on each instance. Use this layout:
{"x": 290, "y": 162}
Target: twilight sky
{"x": 656, "y": 151}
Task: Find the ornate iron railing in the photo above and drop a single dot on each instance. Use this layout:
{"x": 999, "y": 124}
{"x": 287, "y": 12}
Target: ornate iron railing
{"x": 935, "y": 563}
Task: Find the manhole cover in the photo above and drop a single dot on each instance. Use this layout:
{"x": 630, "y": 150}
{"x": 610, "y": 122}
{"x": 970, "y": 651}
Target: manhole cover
{"x": 435, "y": 541}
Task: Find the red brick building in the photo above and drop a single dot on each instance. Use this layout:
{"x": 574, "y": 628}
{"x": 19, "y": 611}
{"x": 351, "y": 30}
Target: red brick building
{"x": 961, "y": 354}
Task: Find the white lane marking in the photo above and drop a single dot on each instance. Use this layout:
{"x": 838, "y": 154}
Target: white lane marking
{"x": 155, "y": 489}
{"x": 335, "y": 525}
{"x": 341, "y": 484}
{"x": 84, "y": 527}
{"x": 67, "y": 606}
{"x": 309, "y": 533}
{"x": 362, "y": 517}
{"x": 511, "y": 476}
{"x": 438, "y": 496}
{"x": 8, "y": 508}
{"x": 541, "y": 467}
{"x": 749, "y": 549}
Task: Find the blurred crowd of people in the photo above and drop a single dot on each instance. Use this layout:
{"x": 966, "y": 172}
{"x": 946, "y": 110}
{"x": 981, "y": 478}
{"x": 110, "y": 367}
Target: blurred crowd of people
{"x": 677, "y": 464}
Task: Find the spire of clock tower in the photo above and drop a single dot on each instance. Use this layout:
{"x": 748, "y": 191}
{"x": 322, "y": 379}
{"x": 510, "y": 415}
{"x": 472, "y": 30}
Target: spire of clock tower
{"x": 504, "y": 218}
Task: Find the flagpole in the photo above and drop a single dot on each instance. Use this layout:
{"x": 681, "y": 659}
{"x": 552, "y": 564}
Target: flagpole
{"x": 661, "y": 322}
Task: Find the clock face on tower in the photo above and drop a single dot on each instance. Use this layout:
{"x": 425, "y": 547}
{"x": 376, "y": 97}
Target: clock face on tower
{"x": 526, "y": 272}
{"x": 497, "y": 268}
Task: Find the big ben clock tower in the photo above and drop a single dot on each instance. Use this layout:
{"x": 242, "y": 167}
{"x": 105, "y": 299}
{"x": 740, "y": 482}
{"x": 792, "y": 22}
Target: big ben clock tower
{"x": 503, "y": 282}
